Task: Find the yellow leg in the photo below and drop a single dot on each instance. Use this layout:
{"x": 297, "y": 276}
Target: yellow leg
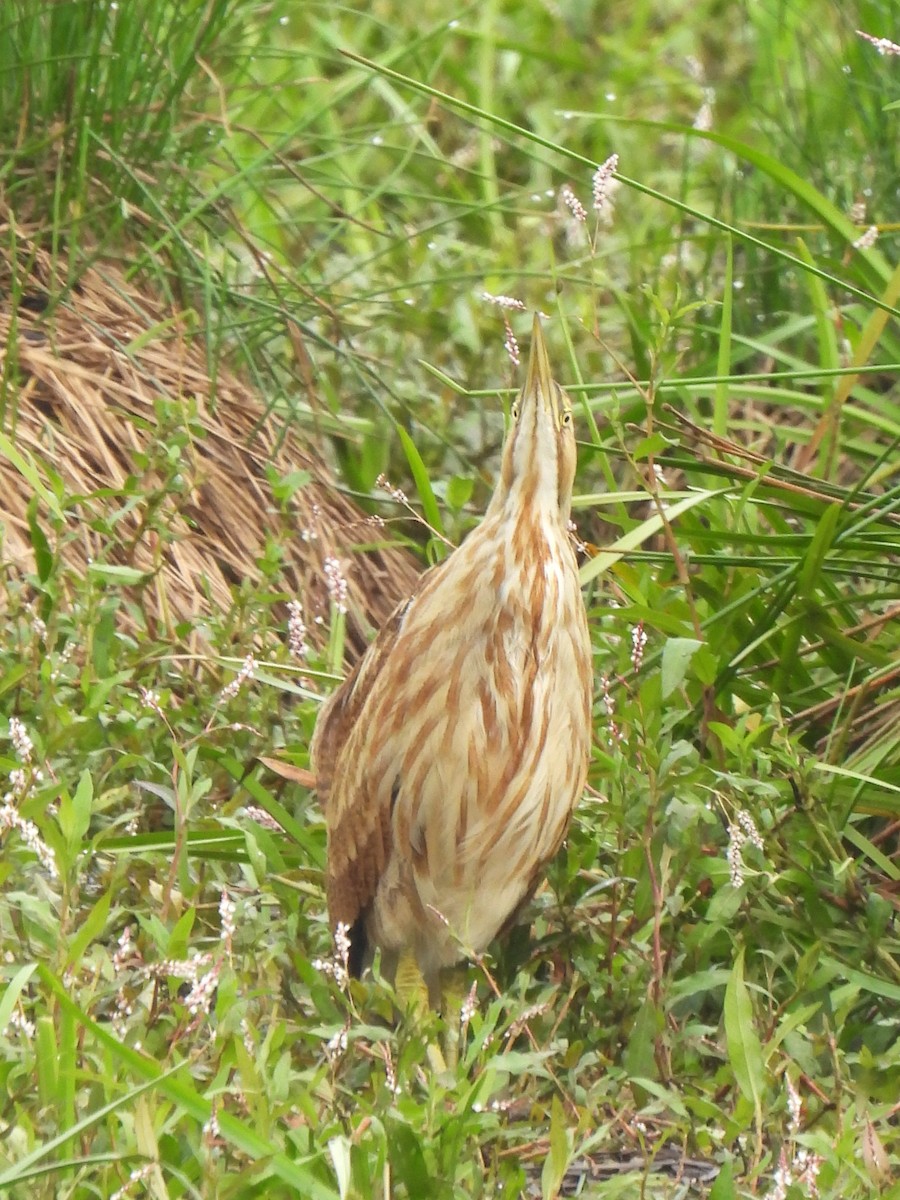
{"x": 412, "y": 992}
{"x": 453, "y": 993}
{"x": 409, "y": 985}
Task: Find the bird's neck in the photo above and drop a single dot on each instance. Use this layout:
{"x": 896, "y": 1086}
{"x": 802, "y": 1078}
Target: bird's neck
{"x": 531, "y": 500}
{"x": 532, "y": 540}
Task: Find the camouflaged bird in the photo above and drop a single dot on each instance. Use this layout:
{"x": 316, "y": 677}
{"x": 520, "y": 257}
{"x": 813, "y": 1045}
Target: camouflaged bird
{"x": 449, "y": 761}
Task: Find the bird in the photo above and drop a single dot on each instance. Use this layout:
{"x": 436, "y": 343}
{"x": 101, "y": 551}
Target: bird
{"x": 449, "y": 761}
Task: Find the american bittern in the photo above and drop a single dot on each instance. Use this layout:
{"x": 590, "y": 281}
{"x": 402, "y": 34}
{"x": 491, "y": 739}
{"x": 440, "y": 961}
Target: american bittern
{"x": 449, "y": 761}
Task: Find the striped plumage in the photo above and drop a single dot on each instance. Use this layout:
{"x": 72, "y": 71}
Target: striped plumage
{"x": 449, "y": 761}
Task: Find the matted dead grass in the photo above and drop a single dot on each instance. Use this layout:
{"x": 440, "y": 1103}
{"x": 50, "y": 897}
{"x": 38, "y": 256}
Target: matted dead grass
{"x": 98, "y": 388}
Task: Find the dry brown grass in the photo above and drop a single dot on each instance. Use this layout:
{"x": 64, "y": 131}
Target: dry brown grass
{"x": 84, "y": 371}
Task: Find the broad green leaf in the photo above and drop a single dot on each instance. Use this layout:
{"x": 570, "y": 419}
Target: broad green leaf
{"x": 639, "y": 1059}
{"x": 865, "y": 803}
{"x": 636, "y": 537}
{"x": 871, "y": 851}
{"x": 423, "y": 483}
{"x": 339, "y": 1152}
{"x": 89, "y": 930}
{"x": 557, "y": 1161}
{"x": 83, "y": 803}
{"x": 408, "y": 1159}
{"x": 75, "y": 812}
{"x": 459, "y": 490}
{"x": 670, "y": 1096}
{"x": 47, "y": 1055}
{"x": 13, "y": 991}
{"x": 676, "y": 657}
{"x": 742, "y": 1043}
{"x": 790, "y": 1022}
{"x": 145, "y": 1134}
{"x": 43, "y": 555}
{"x": 11, "y": 677}
{"x": 723, "y": 1188}
{"x": 862, "y": 981}
{"x": 26, "y": 467}
{"x": 699, "y": 982}
{"x": 115, "y": 573}
{"x": 179, "y": 938}
{"x": 656, "y": 443}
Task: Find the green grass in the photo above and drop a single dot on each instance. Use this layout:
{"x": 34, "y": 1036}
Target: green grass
{"x": 331, "y": 225}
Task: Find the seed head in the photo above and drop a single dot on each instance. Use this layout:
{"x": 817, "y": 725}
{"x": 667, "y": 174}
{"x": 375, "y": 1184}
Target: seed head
{"x": 734, "y": 856}
{"x": 22, "y": 743}
{"x": 336, "y": 583}
{"x": 867, "y": 240}
{"x": 638, "y": 642}
{"x": 246, "y": 672}
{"x": 603, "y": 181}
{"x": 572, "y": 203}
{"x": 504, "y": 301}
{"x": 512, "y": 346}
{"x": 882, "y": 45}
{"x": 297, "y": 630}
{"x": 227, "y": 910}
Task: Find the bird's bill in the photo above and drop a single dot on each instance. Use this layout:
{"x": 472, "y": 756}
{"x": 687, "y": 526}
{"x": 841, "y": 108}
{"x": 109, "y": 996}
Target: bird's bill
{"x": 538, "y": 378}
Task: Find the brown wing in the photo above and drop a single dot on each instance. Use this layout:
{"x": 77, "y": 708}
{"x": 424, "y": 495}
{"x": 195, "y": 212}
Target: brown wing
{"x": 359, "y": 825}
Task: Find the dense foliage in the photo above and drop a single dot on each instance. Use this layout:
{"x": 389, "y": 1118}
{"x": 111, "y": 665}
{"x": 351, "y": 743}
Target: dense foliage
{"x": 709, "y": 987}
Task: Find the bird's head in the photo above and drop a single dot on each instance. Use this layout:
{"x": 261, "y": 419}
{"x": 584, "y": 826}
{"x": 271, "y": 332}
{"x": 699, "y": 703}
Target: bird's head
{"x": 538, "y": 468}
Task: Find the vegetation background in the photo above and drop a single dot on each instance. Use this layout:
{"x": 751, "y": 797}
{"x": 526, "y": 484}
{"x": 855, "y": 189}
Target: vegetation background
{"x": 706, "y": 997}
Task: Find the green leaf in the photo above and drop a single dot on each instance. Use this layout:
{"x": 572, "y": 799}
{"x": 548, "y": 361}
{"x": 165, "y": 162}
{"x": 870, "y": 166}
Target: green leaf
{"x": 669, "y": 1095}
{"x": 636, "y": 537}
{"x": 115, "y": 573}
{"x": 339, "y": 1151}
{"x": 91, "y": 928}
{"x": 639, "y": 1060}
{"x": 743, "y": 1045}
{"x": 285, "y": 487}
{"x": 676, "y": 657}
{"x": 423, "y": 483}
{"x": 75, "y": 812}
{"x": 43, "y": 555}
{"x": 181, "y": 933}
{"x": 47, "y": 1056}
{"x": 656, "y": 443}
{"x": 699, "y": 983}
{"x": 459, "y": 491}
{"x": 26, "y": 467}
{"x": 13, "y": 992}
{"x": 723, "y": 1188}
{"x": 557, "y": 1161}
{"x": 861, "y": 979}
{"x": 871, "y": 851}
{"x": 11, "y": 677}
{"x": 103, "y": 639}
{"x": 408, "y": 1160}
{"x": 792, "y": 1020}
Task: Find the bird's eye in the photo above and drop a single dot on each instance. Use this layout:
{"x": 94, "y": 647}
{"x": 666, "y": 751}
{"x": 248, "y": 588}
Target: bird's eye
{"x": 567, "y": 418}
{"x": 514, "y": 411}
